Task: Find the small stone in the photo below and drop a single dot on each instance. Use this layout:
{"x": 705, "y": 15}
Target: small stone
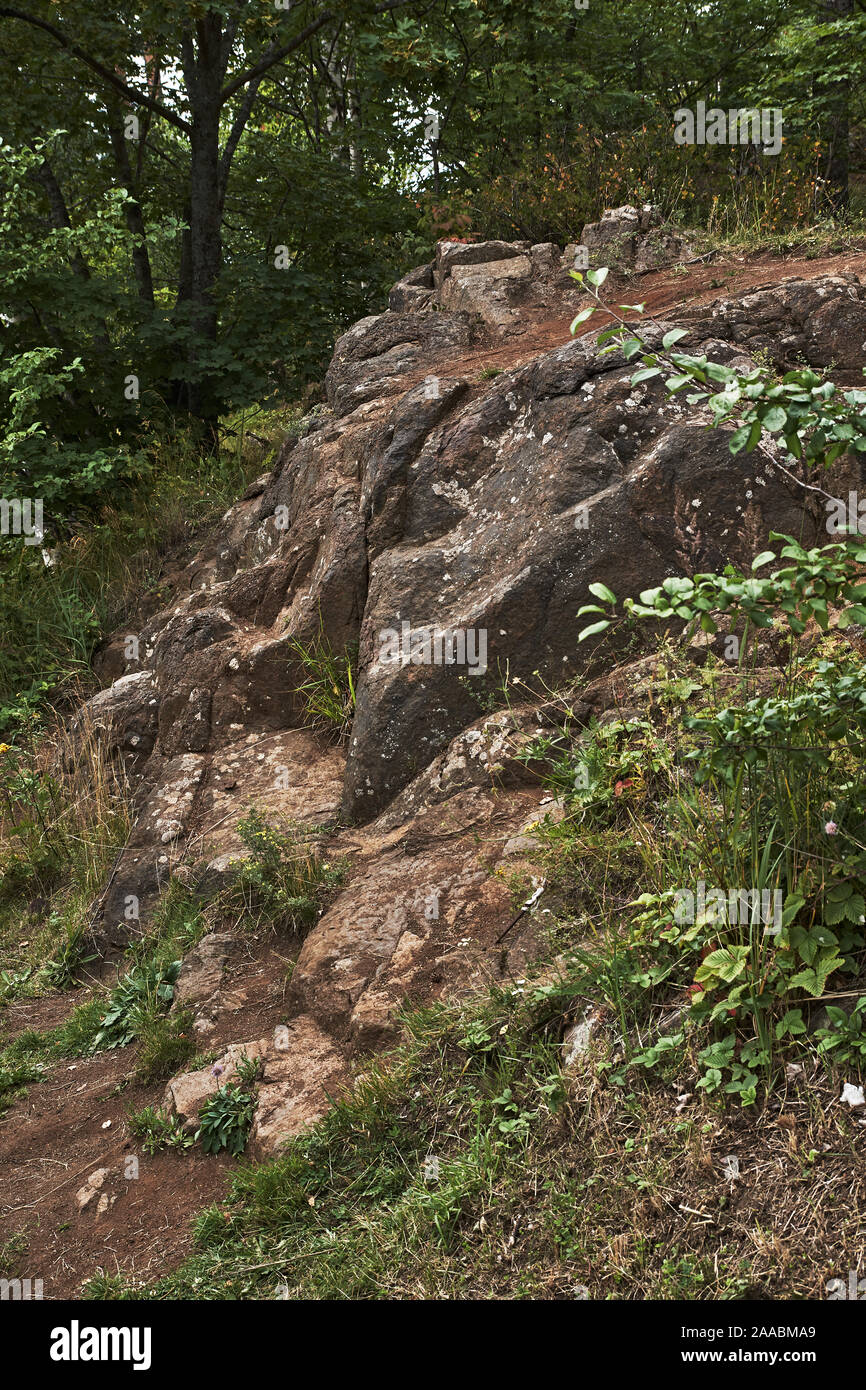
{"x": 578, "y": 1037}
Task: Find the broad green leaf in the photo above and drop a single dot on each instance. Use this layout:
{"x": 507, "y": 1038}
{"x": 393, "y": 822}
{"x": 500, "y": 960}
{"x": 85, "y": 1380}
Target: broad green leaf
{"x": 599, "y": 590}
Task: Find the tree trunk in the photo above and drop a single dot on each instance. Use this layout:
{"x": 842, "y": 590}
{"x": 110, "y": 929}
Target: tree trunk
{"x": 204, "y": 67}
{"x": 836, "y": 133}
{"x": 132, "y": 210}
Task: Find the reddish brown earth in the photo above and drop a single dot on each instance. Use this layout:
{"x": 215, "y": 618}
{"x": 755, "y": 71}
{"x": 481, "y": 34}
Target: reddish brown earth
{"x": 663, "y": 292}
{"x": 52, "y": 1139}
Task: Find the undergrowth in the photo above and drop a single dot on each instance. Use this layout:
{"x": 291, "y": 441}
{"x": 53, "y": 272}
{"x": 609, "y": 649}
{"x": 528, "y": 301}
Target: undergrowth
{"x": 284, "y": 883}
{"x": 134, "y": 1009}
{"x": 466, "y": 1165}
{"x": 85, "y": 577}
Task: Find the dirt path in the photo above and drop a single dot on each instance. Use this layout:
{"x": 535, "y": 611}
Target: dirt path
{"x": 665, "y": 292}
{"x": 74, "y": 1123}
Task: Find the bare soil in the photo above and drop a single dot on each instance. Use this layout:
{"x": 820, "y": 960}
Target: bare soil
{"x": 74, "y": 1123}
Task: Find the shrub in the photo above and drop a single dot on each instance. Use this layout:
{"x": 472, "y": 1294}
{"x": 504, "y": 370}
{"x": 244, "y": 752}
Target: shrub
{"x": 774, "y": 811}
{"x": 547, "y": 193}
{"x": 158, "y": 1130}
{"x": 225, "y": 1119}
{"x": 284, "y": 881}
{"x": 615, "y": 765}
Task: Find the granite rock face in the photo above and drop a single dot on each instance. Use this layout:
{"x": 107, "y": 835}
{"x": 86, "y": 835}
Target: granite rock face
{"x": 447, "y": 519}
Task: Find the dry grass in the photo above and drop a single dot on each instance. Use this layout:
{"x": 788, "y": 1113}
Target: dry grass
{"x": 65, "y": 811}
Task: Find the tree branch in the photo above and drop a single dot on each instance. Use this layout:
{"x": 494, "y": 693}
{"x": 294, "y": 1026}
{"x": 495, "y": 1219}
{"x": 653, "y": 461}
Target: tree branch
{"x": 59, "y": 213}
{"x": 260, "y": 68}
{"x": 105, "y": 73}
{"x": 234, "y": 135}
{"x": 264, "y": 64}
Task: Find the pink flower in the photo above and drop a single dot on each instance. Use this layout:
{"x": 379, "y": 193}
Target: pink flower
{"x": 830, "y": 828}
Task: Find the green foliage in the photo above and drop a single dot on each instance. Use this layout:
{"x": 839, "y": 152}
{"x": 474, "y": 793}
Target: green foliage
{"x": 143, "y": 995}
{"x": 74, "y": 1037}
{"x": 552, "y": 119}
{"x": 11, "y": 1251}
{"x": 166, "y": 1044}
{"x": 819, "y": 577}
{"x": 95, "y": 236}
{"x": 775, "y": 811}
{"x": 158, "y": 1130}
{"x": 284, "y": 881}
{"x": 64, "y": 814}
{"x": 414, "y": 1182}
{"x": 371, "y": 1170}
{"x": 557, "y": 117}
{"x": 15, "y": 1075}
{"x": 546, "y": 116}
{"x": 36, "y": 850}
{"x": 100, "y": 571}
{"x": 63, "y": 969}
{"x": 777, "y": 797}
{"x": 816, "y": 421}
{"x": 103, "y": 348}
{"x": 844, "y": 1038}
{"x": 616, "y": 765}
{"x": 816, "y": 729}
{"x": 329, "y": 691}
{"x": 35, "y": 459}
{"x": 225, "y": 1119}
{"x": 134, "y": 1009}
{"x": 142, "y": 992}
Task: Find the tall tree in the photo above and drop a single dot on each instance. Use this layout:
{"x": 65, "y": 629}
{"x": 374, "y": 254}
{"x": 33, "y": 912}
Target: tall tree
{"x": 199, "y": 70}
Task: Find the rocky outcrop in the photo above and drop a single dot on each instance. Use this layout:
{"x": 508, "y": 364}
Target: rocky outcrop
{"x": 633, "y": 240}
{"x": 200, "y": 982}
{"x": 449, "y": 521}
{"x": 818, "y": 321}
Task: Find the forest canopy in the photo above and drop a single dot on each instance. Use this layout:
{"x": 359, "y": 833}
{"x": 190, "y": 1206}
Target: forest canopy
{"x": 195, "y": 198}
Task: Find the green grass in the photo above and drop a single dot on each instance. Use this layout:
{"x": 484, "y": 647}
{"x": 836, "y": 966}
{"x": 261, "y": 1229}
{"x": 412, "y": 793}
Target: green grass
{"x": 466, "y": 1166}
{"x": 158, "y": 1130}
{"x": 225, "y": 1119}
{"x": 285, "y": 884}
{"x": 328, "y": 692}
{"x": 64, "y": 807}
{"x": 64, "y": 814}
{"x": 12, "y": 1251}
{"x": 53, "y": 616}
{"x": 166, "y": 1044}
{"x": 813, "y": 239}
